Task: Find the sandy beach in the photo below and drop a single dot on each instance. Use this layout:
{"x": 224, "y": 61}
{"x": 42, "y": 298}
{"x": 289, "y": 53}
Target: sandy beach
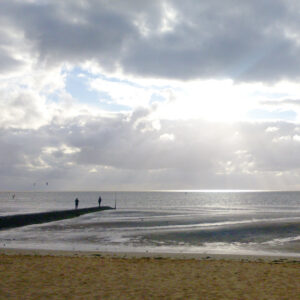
{"x": 29, "y": 274}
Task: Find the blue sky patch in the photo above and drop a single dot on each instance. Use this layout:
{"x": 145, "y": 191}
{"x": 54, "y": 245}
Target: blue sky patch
{"x": 260, "y": 114}
{"x": 78, "y": 86}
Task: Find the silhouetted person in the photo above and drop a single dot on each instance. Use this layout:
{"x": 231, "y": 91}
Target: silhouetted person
{"x": 99, "y": 201}
{"x": 76, "y": 203}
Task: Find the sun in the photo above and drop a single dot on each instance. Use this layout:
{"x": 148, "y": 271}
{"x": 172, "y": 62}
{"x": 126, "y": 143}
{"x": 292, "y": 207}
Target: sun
{"x": 211, "y": 100}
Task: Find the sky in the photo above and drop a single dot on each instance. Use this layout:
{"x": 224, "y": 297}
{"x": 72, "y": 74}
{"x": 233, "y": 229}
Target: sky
{"x": 149, "y": 95}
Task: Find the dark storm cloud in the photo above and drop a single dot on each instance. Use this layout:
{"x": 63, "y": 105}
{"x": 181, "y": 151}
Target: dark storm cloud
{"x": 57, "y": 36}
{"x": 243, "y": 40}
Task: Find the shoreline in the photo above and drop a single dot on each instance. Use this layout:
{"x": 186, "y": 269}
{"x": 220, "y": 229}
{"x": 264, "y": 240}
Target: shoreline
{"x": 160, "y": 255}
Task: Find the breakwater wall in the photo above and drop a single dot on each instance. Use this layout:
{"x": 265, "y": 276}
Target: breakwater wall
{"x": 44, "y": 217}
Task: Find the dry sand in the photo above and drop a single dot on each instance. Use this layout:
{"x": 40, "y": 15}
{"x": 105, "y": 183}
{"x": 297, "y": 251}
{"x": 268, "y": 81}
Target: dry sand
{"x": 26, "y": 275}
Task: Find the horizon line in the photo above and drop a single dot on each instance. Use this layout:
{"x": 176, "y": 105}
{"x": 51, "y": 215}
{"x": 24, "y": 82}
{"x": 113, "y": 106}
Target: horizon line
{"x": 155, "y": 190}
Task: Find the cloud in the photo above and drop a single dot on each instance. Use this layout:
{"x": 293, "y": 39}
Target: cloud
{"x": 22, "y": 110}
{"x": 162, "y": 39}
{"x": 181, "y": 68}
{"x": 107, "y": 151}
{"x": 8, "y": 63}
{"x": 293, "y": 102}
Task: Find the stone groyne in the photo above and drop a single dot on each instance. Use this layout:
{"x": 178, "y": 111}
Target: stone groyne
{"x": 13, "y": 221}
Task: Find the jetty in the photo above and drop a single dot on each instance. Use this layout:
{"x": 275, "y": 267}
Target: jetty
{"x": 13, "y": 221}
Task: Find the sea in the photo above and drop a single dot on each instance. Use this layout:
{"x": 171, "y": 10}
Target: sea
{"x": 204, "y": 222}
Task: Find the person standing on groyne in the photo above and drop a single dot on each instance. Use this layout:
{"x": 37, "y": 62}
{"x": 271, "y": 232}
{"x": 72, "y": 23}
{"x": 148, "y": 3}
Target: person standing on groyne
{"x": 99, "y": 201}
{"x": 76, "y": 203}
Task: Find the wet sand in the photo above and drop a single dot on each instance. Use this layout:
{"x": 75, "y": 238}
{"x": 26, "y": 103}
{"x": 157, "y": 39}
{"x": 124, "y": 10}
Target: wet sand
{"x": 30, "y": 274}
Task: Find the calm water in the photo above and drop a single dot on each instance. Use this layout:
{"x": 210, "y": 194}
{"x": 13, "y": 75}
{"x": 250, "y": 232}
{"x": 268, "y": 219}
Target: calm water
{"x": 189, "y": 222}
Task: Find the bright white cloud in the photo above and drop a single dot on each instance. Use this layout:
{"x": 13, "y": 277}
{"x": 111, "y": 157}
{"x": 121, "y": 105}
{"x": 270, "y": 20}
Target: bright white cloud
{"x": 272, "y": 129}
{"x": 167, "y": 137}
